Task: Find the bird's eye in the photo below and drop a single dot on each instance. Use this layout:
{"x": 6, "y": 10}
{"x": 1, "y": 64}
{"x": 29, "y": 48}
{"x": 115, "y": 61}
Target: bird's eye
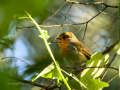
{"x": 63, "y": 37}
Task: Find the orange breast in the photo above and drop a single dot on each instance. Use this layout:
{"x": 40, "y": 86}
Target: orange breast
{"x": 64, "y": 48}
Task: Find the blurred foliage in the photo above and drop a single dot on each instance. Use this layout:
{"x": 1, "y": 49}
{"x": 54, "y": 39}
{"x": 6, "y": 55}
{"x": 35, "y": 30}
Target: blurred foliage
{"x": 117, "y": 48}
{"x": 5, "y": 81}
{"x": 10, "y": 8}
{"x": 8, "y": 84}
{"x": 6, "y": 43}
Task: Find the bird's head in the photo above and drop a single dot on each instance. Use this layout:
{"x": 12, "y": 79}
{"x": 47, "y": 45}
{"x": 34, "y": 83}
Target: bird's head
{"x": 67, "y": 36}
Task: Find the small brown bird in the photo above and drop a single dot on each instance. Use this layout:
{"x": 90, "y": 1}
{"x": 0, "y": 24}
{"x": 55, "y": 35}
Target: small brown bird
{"x": 74, "y": 52}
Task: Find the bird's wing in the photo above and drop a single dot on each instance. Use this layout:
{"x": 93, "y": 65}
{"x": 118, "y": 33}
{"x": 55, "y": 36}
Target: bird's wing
{"x": 81, "y": 48}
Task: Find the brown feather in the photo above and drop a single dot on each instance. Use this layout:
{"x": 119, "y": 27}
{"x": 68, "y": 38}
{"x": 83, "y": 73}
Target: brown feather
{"x": 82, "y": 48}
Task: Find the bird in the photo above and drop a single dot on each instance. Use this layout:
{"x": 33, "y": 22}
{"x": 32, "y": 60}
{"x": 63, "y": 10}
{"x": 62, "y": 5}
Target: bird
{"x": 73, "y": 51}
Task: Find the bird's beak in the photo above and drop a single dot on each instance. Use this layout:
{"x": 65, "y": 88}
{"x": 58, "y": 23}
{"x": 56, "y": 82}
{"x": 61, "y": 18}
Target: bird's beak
{"x": 58, "y": 38}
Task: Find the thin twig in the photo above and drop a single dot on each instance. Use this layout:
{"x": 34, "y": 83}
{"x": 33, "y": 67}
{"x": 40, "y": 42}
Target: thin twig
{"x": 84, "y": 32}
{"x": 104, "y": 67}
{"x": 20, "y": 60}
{"x": 63, "y": 23}
{"x": 108, "y": 49}
{"x": 83, "y": 36}
{"x": 108, "y": 14}
{"x": 97, "y": 14}
{"x": 101, "y": 2}
{"x": 48, "y": 85}
{"x": 82, "y": 20}
{"x": 71, "y": 24}
{"x": 110, "y": 5}
{"x": 54, "y": 13}
{"x": 74, "y": 77}
{"x": 51, "y": 25}
{"x": 108, "y": 66}
{"x": 96, "y": 67}
{"x": 113, "y": 77}
{"x": 112, "y": 60}
{"x": 74, "y": 2}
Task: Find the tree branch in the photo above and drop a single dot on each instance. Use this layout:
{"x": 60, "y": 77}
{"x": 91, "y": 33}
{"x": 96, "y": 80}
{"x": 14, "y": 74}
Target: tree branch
{"x": 108, "y": 66}
{"x": 113, "y": 77}
{"x": 109, "y": 14}
{"x": 105, "y": 66}
{"x": 63, "y": 22}
{"x": 108, "y": 49}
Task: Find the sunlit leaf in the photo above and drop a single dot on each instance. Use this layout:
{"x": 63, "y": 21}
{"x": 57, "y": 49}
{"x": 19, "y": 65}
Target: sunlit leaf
{"x": 53, "y": 74}
{"x": 33, "y": 77}
{"x": 117, "y": 48}
{"x": 96, "y": 60}
{"x": 49, "y": 72}
{"x": 96, "y": 84}
{"x": 45, "y": 71}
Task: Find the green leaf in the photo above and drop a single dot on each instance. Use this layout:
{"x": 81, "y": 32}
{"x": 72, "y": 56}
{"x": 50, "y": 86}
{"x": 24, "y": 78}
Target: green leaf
{"x": 20, "y": 16}
{"x": 33, "y": 77}
{"x": 96, "y": 84}
{"x": 49, "y": 72}
{"x": 45, "y": 34}
{"x": 117, "y": 48}
{"x": 96, "y": 60}
{"x": 53, "y": 74}
{"x": 48, "y": 69}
